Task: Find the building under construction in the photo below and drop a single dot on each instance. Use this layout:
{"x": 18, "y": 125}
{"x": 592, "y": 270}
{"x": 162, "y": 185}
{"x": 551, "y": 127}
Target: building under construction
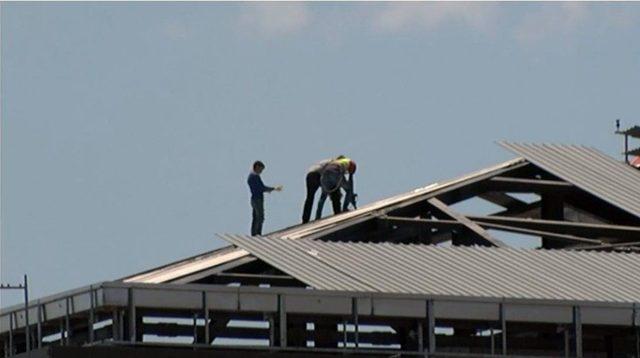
{"x": 411, "y": 275}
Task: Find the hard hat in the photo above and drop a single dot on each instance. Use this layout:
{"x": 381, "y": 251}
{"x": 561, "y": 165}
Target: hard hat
{"x": 352, "y": 167}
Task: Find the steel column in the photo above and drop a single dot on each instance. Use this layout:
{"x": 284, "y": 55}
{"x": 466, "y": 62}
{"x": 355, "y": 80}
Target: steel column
{"x": 344, "y": 333}
{"x": 11, "y": 333}
{"x": 115, "y": 322}
{"x": 638, "y": 342}
{"x": 636, "y": 325}
{"x": 272, "y": 331}
{"x": 205, "y": 308}
{"x": 431, "y": 327}
{"x": 132, "y": 316}
{"x": 420, "y": 337}
{"x": 67, "y": 324}
{"x": 282, "y": 319}
{"x": 356, "y": 329}
{"x": 92, "y": 317}
{"x": 39, "y": 325}
{"x": 121, "y": 325}
{"x": 626, "y": 148}
{"x": 493, "y": 341}
{"x": 567, "y": 343}
{"x": 503, "y": 326}
{"x": 577, "y": 327}
{"x": 195, "y": 328}
{"x": 26, "y": 316}
{"x": 62, "y": 332}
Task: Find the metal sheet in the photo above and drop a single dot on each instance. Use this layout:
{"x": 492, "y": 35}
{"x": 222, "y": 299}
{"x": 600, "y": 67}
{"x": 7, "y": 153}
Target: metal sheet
{"x": 453, "y": 271}
{"x": 589, "y": 170}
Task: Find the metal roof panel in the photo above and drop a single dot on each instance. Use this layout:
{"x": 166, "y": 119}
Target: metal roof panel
{"x": 455, "y": 271}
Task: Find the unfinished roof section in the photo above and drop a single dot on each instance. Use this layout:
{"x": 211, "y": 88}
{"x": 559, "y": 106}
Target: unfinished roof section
{"x": 579, "y": 199}
{"x": 183, "y": 269}
{"x": 331, "y": 223}
{"x": 189, "y": 266}
{"x": 453, "y": 271}
{"x": 588, "y": 169}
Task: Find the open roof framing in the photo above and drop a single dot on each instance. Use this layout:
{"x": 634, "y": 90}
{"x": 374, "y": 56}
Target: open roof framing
{"x": 566, "y": 214}
{"x": 389, "y": 253}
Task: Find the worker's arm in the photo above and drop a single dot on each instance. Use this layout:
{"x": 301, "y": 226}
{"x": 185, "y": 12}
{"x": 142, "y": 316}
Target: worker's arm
{"x": 348, "y": 186}
{"x": 257, "y": 186}
{"x": 269, "y": 189}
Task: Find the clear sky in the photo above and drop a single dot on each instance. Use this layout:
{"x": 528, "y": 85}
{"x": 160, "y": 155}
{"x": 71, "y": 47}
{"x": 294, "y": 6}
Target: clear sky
{"x": 128, "y": 129}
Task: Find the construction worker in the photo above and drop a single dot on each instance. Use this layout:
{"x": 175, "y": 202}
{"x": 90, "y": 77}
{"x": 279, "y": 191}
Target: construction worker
{"x": 313, "y": 183}
{"x": 257, "y": 188}
{"x": 332, "y": 180}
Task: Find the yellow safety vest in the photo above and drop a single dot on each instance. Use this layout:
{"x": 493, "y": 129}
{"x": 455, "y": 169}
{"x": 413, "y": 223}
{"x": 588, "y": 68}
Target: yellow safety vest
{"x": 343, "y": 162}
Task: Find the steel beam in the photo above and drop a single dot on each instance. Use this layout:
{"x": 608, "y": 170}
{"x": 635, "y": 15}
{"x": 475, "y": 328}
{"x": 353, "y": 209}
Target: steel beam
{"x": 582, "y": 229}
{"x": 486, "y": 238}
{"x": 255, "y": 279}
{"x": 609, "y": 246}
{"x": 550, "y": 235}
{"x": 518, "y": 185}
{"x": 422, "y": 223}
{"x": 452, "y": 224}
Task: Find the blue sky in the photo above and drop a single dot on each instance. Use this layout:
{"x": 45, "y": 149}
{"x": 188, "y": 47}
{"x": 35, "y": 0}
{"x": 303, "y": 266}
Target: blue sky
{"x": 128, "y": 129}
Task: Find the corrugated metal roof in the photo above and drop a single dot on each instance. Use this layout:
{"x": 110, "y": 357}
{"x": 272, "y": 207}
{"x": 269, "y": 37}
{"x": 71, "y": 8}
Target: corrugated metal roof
{"x": 588, "y": 169}
{"x": 455, "y": 271}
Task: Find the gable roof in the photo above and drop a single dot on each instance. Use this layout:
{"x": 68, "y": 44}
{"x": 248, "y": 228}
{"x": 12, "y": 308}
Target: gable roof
{"x": 452, "y": 271}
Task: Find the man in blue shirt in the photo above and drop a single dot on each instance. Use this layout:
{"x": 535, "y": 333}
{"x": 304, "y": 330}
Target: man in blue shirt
{"x": 258, "y": 189}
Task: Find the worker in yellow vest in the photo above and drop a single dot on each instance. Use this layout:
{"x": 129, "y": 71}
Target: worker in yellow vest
{"x": 332, "y": 180}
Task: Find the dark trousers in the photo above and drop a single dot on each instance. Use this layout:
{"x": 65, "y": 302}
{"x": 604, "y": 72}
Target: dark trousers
{"x": 313, "y": 184}
{"x": 257, "y": 206}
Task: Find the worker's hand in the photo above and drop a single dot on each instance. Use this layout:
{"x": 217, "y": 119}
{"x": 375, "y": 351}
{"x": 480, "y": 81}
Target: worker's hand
{"x": 278, "y": 188}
